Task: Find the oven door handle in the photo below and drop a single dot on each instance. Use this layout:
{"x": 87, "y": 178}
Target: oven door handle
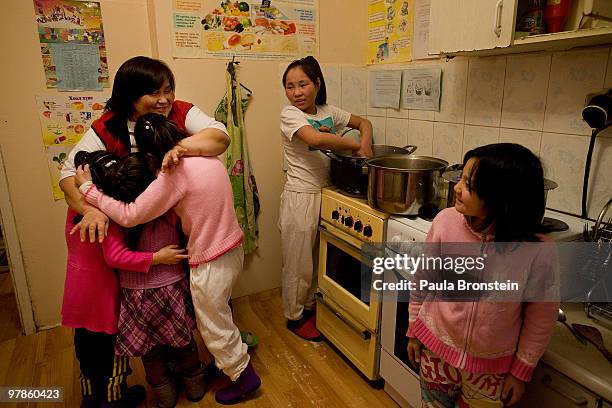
{"x": 346, "y": 239}
{"x": 364, "y": 334}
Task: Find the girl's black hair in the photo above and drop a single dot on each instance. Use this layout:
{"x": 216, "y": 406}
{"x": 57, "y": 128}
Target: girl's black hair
{"x": 312, "y": 69}
{"x": 136, "y": 77}
{"x": 510, "y": 180}
{"x": 122, "y": 179}
{"x": 155, "y": 134}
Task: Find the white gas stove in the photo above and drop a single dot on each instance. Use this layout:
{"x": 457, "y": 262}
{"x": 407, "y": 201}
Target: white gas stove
{"x": 406, "y": 229}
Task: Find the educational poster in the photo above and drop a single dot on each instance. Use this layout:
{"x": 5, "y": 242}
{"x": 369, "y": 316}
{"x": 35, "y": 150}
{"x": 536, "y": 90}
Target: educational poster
{"x": 63, "y": 120}
{"x": 72, "y": 44}
{"x": 250, "y": 29}
{"x": 421, "y": 88}
{"x": 390, "y": 26}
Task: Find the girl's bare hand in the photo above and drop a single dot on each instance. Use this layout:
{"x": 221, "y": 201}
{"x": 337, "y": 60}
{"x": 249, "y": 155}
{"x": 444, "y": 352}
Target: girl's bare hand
{"x": 94, "y": 223}
{"x": 512, "y": 390}
{"x": 169, "y": 255}
{"x": 172, "y": 157}
{"x": 364, "y": 151}
{"x": 414, "y": 351}
{"x": 82, "y": 175}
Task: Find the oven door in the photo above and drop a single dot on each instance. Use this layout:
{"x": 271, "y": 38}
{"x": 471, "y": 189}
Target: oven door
{"x": 345, "y": 274}
{"x": 401, "y": 377}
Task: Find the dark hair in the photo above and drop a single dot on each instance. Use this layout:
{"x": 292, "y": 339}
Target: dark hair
{"x": 122, "y": 179}
{"x": 155, "y": 135}
{"x": 136, "y": 77}
{"x": 510, "y": 180}
{"x": 312, "y": 69}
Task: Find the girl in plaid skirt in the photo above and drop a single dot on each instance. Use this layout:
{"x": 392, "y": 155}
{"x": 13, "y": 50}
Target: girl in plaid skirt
{"x": 156, "y": 317}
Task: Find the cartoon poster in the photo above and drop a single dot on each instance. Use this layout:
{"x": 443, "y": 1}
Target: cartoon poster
{"x": 63, "y": 121}
{"x": 72, "y": 44}
{"x": 250, "y": 29}
{"x": 390, "y": 27}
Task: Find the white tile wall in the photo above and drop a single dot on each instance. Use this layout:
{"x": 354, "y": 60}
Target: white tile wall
{"x": 333, "y": 83}
{"x": 525, "y": 91}
{"x": 420, "y": 134}
{"x": 474, "y": 136}
{"x": 531, "y": 139}
{"x": 354, "y": 90}
{"x": 396, "y": 132}
{"x": 485, "y": 91}
{"x": 448, "y": 142}
{"x": 531, "y": 99}
{"x": 454, "y": 88}
{"x": 378, "y": 125}
{"x": 600, "y": 183}
{"x": 573, "y": 74}
{"x": 563, "y": 157}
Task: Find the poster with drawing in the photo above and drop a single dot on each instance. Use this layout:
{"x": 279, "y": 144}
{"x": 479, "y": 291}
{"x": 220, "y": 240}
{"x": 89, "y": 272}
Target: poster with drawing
{"x": 390, "y": 26}
{"x": 63, "y": 121}
{"x": 249, "y": 29}
{"x": 421, "y": 88}
{"x": 72, "y": 44}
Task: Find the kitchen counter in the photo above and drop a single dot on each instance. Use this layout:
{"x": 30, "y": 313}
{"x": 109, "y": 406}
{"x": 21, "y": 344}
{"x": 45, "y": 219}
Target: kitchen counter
{"x": 583, "y": 364}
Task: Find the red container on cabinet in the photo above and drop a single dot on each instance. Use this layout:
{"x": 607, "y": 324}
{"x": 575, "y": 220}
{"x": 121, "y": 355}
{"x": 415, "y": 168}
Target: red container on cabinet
{"x": 556, "y": 13}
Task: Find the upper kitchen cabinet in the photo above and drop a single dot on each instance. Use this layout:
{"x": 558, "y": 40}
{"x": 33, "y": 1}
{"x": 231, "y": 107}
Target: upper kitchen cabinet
{"x": 487, "y": 27}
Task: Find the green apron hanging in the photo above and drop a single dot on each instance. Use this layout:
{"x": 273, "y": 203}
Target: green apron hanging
{"x": 246, "y": 198}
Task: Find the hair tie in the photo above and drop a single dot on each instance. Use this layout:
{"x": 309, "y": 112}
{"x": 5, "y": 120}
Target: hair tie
{"x": 148, "y": 125}
{"x": 110, "y": 163}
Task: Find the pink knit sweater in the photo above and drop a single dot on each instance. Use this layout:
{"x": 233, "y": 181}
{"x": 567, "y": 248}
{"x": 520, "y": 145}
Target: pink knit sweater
{"x": 199, "y": 190}
{"x": 482, "y": 337}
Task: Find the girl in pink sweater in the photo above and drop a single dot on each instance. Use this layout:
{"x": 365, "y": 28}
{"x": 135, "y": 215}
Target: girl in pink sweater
{"x": 199, "y": 191}
{"x": 156, "y": 316}
{"x": 481, "y": 353}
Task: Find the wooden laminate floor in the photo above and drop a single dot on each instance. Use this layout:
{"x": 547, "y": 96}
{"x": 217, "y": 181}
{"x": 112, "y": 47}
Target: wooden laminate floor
{"x": 294, "y": 373}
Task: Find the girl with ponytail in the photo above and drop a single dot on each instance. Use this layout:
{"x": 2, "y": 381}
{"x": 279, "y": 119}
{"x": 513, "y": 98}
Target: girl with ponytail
{"x": 308, "y": 124}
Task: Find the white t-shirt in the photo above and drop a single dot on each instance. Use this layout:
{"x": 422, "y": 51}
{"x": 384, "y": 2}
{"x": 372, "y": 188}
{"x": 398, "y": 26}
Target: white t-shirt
{"x": 195, "y": 121}
{"x": 308, "y": 170}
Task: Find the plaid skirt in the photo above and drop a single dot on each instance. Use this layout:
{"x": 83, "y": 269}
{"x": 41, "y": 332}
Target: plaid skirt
{"x": 151, "y": 317}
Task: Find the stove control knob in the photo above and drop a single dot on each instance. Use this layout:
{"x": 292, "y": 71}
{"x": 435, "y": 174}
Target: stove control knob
{"x": 348, "y": 221}
{"x": 367, "y": 231}
{"x": 335, "y": 215}
{"x": 358, "y": 226}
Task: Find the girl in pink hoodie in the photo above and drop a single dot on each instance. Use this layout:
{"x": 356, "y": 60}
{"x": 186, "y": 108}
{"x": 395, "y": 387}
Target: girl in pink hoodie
{"x": 480, "y": 353}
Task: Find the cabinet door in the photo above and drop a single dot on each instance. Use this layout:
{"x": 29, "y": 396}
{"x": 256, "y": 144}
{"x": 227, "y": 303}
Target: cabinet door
{"x": 468, "y": 25}
{"x": 551, "y": 389}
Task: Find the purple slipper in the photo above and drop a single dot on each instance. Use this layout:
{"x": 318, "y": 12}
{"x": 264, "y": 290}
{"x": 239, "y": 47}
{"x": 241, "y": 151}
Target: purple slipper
{"x": 238, "y": 390}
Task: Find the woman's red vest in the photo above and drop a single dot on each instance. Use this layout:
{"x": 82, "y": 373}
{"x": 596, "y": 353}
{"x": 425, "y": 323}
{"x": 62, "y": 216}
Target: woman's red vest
{"x": 113, "y": 144}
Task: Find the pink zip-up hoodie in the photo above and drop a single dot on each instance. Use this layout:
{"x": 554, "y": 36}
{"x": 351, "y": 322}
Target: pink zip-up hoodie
{"x": 483, "y": 337}
{"x": 199, "y": 191}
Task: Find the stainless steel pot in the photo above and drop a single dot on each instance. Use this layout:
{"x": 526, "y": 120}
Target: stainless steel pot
{"x": 406, "y": 185}
{"x": 351, "y": 174}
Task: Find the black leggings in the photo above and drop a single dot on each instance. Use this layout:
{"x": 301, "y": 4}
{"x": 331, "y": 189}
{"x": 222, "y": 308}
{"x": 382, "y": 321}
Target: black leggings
{"x": 103, "y": 374}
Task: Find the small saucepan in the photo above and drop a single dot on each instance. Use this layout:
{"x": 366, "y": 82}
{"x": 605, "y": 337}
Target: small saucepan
{"x": 453, "y": 174}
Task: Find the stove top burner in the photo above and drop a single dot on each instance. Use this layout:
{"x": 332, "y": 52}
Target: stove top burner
{"x": 553, "y": 225}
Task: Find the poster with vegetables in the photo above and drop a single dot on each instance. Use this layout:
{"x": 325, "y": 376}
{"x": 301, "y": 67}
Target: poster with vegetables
{"x": 72, "y": 44}
{"x": 63, "y": 120}
{"x": 250, "y": 29}
{"x": 390, "y": 30}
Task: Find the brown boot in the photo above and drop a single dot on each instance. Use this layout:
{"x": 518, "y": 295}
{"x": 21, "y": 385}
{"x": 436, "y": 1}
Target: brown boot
{"x": 166, "y": 395}
{"x": 195, "y": 387}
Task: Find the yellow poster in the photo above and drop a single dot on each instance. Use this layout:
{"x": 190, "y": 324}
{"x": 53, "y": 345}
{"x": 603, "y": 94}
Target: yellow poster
{"x": 265, "y": 30}
{"x": 390, "y": 26}
{"x": 63, "y": 120}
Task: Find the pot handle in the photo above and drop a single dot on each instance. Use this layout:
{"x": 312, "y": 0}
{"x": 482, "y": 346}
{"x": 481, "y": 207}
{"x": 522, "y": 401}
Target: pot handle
{"x": 411, "y": 148}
